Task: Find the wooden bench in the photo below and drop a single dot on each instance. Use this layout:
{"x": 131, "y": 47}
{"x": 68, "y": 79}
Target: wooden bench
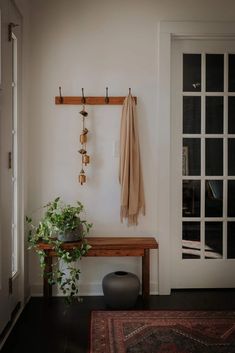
{"x": 111, "y": 247}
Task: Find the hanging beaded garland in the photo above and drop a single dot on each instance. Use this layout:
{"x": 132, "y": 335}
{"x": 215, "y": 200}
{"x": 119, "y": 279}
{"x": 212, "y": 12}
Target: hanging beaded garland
{"x": 83, "y": 140}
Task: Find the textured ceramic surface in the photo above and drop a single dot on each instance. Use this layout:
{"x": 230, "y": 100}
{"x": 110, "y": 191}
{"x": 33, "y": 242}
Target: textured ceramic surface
{"x": 73, "y": 235}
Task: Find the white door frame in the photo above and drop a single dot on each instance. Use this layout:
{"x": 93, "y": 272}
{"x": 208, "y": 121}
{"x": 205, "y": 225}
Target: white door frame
{"x": 10, "y": 13}
{"x": 20, "y": 277}
{"x": 167, "y": 32}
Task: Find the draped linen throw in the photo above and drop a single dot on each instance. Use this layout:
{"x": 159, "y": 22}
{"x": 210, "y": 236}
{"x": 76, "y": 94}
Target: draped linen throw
{"x": 130, "y": 173}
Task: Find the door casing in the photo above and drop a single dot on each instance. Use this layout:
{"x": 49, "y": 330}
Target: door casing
{"x": 167, "y": 31}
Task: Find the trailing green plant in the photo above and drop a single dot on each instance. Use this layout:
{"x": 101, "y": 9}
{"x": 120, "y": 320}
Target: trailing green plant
{"x": 60, "y": 218}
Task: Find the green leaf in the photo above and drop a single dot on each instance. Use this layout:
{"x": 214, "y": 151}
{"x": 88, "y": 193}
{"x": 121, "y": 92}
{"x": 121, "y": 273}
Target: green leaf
{"x": 28, "y": 219}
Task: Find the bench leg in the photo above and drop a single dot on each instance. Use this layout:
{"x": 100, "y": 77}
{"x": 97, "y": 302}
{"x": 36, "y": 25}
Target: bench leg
{"x": 47, "y": 288}
{"x": 145, "y": 274}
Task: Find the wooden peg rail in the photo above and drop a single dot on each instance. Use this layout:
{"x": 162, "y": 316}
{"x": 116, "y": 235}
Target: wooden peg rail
{"x": 91, "y": 100}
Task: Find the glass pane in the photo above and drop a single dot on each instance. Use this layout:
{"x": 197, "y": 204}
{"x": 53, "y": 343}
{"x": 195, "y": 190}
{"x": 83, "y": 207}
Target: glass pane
{"x": 214, "y": 72}
{"x": 231, "y": 156}
{"x": 231, "y": 70}
{"x": 231, "y": 241}
{"x": 191, "y": 198}
{"x": 214, "y": 115}
{"x": 191, "y": 156}
{"x": 214, "y": 156}
{"x": 214, "y": 198}
{"x": 213, "y": 240}
{"x": 231, "y": 115}
{"x": 191, "y": 115}
{"x": 192, "y": 72}
{"x": 191, "y": 245}
{"x": 231, "y": 198}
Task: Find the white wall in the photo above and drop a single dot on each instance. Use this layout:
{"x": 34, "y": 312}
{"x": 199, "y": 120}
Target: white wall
{"x": 94, "y": 44}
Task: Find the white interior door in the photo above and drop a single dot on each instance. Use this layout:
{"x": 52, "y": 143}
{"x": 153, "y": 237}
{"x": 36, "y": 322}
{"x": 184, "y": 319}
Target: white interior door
{"x": 5, "y": 242}
{"x": 16, "y": 272}
{"x": 5, "y": 176}
{"x": 10, "y": 269}
{"x": 203, "y": 164}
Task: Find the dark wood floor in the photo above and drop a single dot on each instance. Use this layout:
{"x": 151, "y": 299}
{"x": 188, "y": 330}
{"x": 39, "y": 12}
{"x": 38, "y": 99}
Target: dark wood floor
{"x": 58, "y": 328}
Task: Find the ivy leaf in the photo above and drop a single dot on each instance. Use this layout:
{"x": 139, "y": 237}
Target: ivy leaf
{"x": 28, "y": 219}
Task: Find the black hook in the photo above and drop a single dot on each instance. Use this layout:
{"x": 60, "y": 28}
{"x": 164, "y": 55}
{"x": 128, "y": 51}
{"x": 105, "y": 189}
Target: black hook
{"x": 83, "y": 97}
{"x": 107, "y": 96}
{"x": 130, "y": 91}
{"x": 61, "y": 98}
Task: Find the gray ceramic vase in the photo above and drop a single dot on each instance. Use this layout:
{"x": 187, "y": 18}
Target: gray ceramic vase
{"x": 121, "y": 289}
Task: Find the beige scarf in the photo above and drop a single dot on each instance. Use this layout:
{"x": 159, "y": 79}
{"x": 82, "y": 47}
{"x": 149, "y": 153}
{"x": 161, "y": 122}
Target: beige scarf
{"x": 130, "y": 174}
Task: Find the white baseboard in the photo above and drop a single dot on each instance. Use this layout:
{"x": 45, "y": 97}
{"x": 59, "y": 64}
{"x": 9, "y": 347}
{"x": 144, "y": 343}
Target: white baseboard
{"x": 85, "y": 289}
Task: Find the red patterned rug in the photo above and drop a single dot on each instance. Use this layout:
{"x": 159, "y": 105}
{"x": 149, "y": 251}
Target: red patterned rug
{"x": 163, "y": 332}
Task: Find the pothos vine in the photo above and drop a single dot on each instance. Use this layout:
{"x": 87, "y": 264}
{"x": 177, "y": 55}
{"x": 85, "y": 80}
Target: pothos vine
{"x": 60, "y": 218}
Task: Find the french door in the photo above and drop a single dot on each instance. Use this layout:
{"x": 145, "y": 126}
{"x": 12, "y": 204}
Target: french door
{"x": 203, "y": 164}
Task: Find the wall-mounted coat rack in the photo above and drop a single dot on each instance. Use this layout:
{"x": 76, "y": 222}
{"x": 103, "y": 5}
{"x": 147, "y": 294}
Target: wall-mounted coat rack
{"x": 106, "y": 100}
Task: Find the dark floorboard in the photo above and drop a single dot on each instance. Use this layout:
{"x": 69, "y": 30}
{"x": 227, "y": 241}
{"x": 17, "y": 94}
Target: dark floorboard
{"x": 55, "y": 327}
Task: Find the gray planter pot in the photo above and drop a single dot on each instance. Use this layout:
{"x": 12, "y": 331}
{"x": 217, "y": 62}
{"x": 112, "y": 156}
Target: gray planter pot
{"x": 121, "y": 289}
{"x": 71, "y": 236}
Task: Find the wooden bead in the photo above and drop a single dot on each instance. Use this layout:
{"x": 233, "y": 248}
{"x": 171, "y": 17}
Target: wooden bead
{"x": 83, "y": 113}
{"x": 82, "y": 151}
